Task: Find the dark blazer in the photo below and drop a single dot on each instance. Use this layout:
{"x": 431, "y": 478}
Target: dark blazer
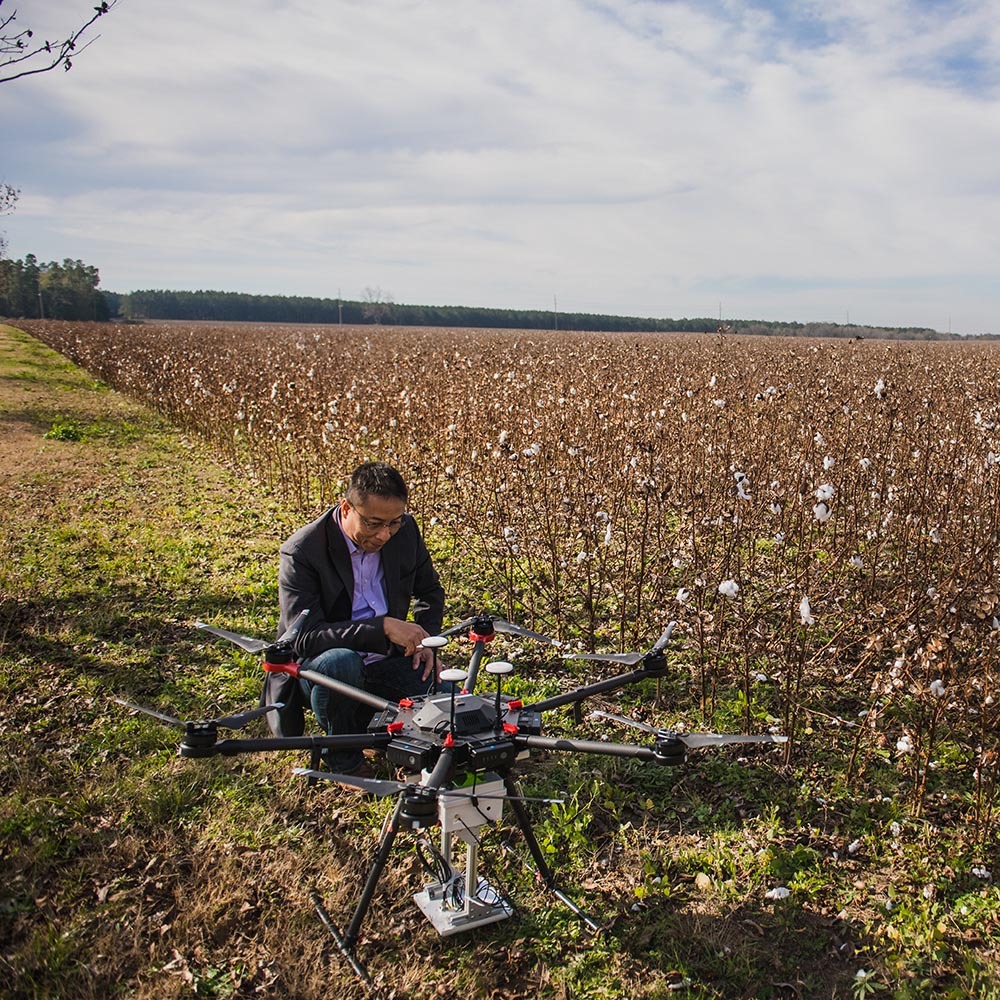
{"x": 315, "y": 573}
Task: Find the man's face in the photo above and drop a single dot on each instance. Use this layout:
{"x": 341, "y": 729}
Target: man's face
{"x": 373, "y": 521}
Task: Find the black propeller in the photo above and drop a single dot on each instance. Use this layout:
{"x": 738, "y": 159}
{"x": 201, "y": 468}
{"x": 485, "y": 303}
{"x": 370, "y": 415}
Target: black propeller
{"x": 691, "y": 740}
{"x": 380, "y": 786}
{"x": 226, "y": 722}
{"x": 281, "y": 650}
{"x": 494, "y": 623}
{"x": 628, "y": 659}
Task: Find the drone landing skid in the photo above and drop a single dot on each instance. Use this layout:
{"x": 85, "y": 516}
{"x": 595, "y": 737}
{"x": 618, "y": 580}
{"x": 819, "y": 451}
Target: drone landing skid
{"x": 461, "y": 900}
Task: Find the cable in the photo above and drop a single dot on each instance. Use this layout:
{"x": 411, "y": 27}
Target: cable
{"x": 432, "y": 861}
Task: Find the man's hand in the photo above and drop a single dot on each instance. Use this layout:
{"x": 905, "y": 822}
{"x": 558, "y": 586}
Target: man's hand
{"x": 407, "y": 635}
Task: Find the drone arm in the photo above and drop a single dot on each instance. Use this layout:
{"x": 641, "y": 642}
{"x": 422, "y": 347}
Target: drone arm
{"x": 587, "y": 746}
{"x": 611, "y": 684}
{"x": 190, "y": 747}
{"x": 478, "y": 649}
{"x": 365, "y": 697}
{"x": 443, "y": 770}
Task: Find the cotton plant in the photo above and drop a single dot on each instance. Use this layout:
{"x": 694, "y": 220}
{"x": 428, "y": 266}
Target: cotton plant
{"x": 742, "y": 483}
{"x": 805, "y": 612}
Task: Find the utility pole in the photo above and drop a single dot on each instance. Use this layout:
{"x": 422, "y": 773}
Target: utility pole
{"x": 555, "y": 312}
{"x": 340, "y": 310}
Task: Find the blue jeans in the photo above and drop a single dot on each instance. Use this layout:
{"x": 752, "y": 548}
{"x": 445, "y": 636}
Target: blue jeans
{"x": 392, "y": 678}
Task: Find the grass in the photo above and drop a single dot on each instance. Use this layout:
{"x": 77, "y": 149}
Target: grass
{"x": 131, "y": 872}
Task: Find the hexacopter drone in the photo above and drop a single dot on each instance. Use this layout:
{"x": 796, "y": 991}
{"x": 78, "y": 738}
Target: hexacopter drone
{"x": 457, "y": 750}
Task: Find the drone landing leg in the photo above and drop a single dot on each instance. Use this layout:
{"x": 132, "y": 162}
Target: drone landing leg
{"x": 524, "y": 822}
{"x": 347, "y": 941}
{"x": 359, "y": 970}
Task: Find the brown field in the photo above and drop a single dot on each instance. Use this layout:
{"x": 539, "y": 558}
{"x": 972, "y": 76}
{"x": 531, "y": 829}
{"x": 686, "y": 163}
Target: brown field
{"x": 820, "y": 517}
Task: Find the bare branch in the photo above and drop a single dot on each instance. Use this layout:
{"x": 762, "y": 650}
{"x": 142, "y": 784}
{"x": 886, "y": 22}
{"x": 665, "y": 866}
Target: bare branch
{"x": 17, "y": 50}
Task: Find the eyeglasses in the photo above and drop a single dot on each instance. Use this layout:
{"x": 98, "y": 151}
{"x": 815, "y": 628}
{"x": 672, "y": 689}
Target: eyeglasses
{"x": 374, "y": 524}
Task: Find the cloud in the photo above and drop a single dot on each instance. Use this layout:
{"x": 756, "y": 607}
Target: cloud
{"x": 796, "y": 160}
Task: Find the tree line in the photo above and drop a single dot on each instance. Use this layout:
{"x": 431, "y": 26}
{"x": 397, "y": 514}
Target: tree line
{"x": 69, "y": 290}
{"x": 378, "y": 307}
{"x": 246, "y": 308}
{"x": 32, "y": 290}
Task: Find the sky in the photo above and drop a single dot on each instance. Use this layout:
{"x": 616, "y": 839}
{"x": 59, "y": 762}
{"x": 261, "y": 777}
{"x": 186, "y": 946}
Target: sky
{"x": 811, "y": 161}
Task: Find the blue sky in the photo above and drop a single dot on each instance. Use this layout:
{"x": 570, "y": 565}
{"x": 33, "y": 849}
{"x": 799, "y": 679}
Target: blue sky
{"x": 790, "y": 161}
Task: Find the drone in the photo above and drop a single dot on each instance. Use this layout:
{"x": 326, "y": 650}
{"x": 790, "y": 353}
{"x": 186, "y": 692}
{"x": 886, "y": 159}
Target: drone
{"x": 455, "y": 751}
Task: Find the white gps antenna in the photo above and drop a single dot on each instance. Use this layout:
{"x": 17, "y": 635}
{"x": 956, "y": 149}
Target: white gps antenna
{"x": 434, "y": 643}
{"x": 455, "y": 676}
{"x": 498, "y": 668}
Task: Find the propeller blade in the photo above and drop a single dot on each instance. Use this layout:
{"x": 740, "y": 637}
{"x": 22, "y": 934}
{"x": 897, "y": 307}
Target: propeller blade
{"x": 691, "y": 740}
{"x": 462, "y": 793}
{"x": 661, "y": 643}
{"x": 502, "y": 626}
{"x": 239, "y": 721}
{"x": 169, "y": 719}
{"x": 645, "y": 727}
{"x": 296, "y": 627}
{"x": 246, "y": 642}
{"x": 376, "y": 786}
{"x": 628, "y": 659}
{"x": 460, "y": 627}
{"x": 695, "y": 740}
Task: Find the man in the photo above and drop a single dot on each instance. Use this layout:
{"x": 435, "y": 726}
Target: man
{"x": 357, "y": 568}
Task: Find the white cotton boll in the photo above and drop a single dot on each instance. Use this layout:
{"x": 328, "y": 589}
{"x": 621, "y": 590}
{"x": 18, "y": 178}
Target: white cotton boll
{"x": 779, "y": 538}
{"x": 509, "y": 534}
{"x": 857, "y": 562}
{"x": 720, "y": 403}
{"x": 829, "y": 462}
{"x": 741, "y": 490}
{"x": 729, "y": 588}
{"x": 853, "y": 847}
{"x": 778, "y": 892}
{"x": 865, "y": 463}
{"x": 825, "y": 492}
{"x": 775, "y": 507}
{"x": 938, "y": 688}
{"x": 683, "y": 594}
{"x": 805, "y": 612}
{"x": 607, "y": 534}
{"x": 879, "y": 389}
{"x": 822, "y": 513}
{"x": 904, "y": 744}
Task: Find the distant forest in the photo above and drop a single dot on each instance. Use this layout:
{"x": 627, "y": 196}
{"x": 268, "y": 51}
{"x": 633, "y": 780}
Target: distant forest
{"x": 69, "y": 290}
{"x": 379, "y": 309}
